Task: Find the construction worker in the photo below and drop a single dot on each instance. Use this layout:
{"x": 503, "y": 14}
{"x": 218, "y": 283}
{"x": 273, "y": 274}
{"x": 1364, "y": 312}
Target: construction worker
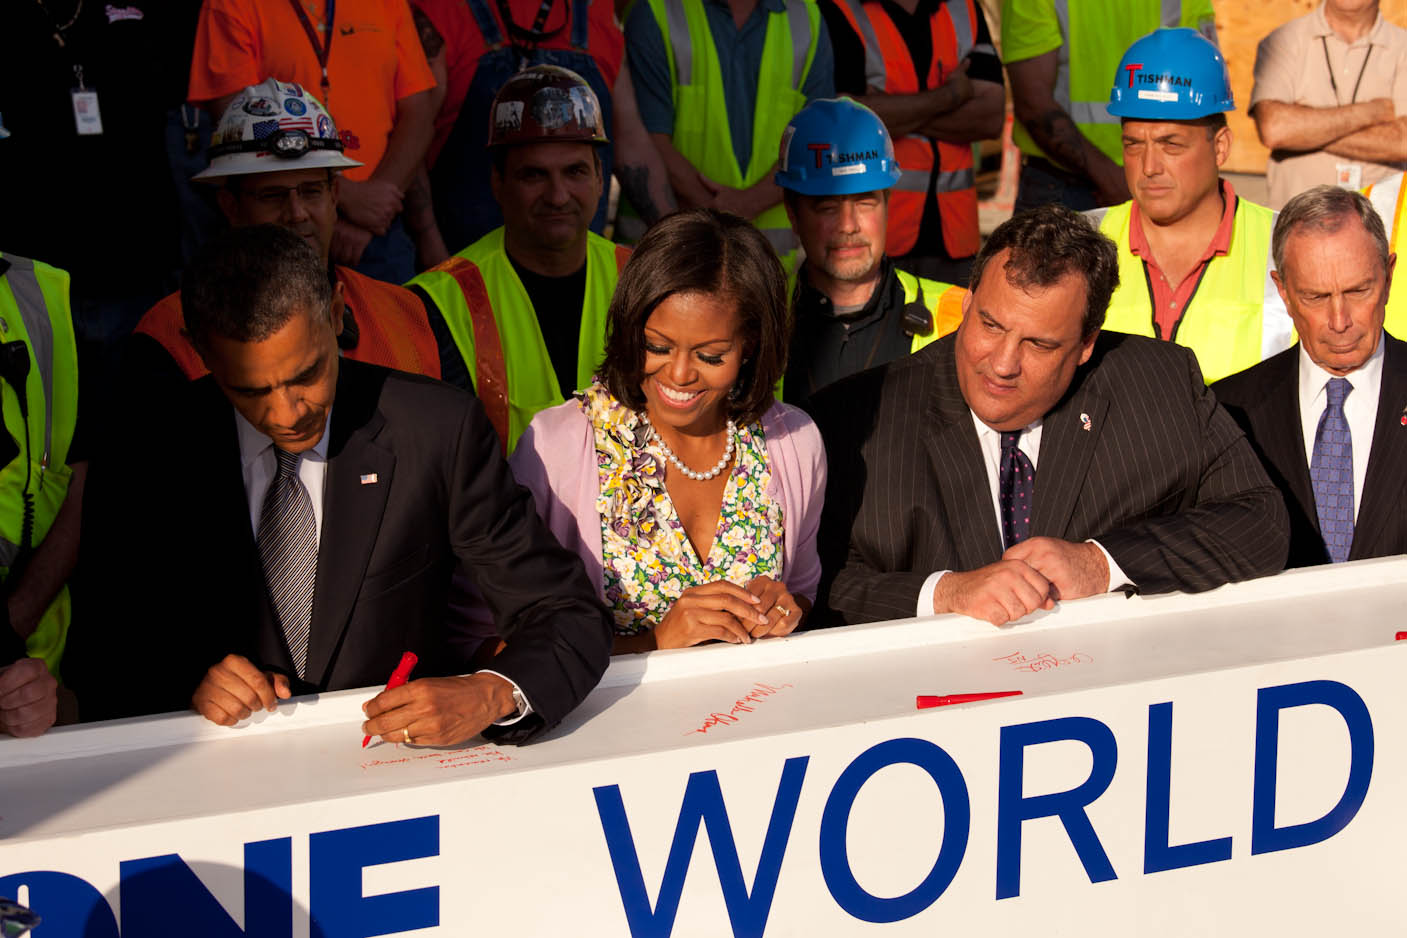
{"x": 527, "y": 302}
{"x": 41, "y": 473}
{"x": 1194, "y": 258}
{"x": 1059, "y": 55}
{"x": 852, "y": 309}
{"x": 1389, "y": 199}
{"x": 276, "y": 155}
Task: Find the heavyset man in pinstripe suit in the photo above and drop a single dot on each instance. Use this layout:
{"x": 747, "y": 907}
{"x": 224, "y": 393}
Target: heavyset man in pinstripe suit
{"x": 1141, "y": 480}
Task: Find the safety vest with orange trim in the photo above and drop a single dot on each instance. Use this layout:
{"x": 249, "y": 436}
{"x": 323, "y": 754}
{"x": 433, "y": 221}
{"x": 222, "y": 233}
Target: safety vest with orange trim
{"x": 491, "y": 317}
{"x": 950, "y": 166}
{"x": 1389, "y": 199}
{"x": 392, "y": 328}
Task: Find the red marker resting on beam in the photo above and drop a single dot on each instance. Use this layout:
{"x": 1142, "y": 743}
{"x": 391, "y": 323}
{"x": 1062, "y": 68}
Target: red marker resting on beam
{"x": 925, "y": 702}
{"x": 398, "y": 677}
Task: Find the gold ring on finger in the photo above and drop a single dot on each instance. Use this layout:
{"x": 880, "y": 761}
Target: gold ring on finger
{"x": 407, "y": 735}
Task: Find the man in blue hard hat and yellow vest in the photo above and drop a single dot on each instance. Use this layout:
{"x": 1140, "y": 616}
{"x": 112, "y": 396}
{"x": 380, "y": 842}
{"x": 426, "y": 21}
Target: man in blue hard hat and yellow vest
{"x": 1194, "y": 258}
{"x": 41, "y": 491}
{"x": 526, "y": 304}
{"x": 852, "y": 309}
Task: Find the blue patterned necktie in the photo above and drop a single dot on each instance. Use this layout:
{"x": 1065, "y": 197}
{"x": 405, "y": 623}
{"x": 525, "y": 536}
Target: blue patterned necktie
{"x": 1331, "y": 471}
{"x": 288, "y": 545}
{"x": 1016, "y": 490}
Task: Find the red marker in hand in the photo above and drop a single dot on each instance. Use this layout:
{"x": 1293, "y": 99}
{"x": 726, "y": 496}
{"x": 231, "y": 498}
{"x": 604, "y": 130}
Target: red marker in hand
{"x": 398, "y": 677}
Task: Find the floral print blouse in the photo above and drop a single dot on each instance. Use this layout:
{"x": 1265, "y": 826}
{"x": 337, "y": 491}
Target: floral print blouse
{"x": 647, "y": 559}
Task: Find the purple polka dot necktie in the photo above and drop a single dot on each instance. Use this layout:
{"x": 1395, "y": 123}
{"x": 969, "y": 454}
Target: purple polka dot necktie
{"x": 1331, "y": 471}
{"x": 1017, "y": 484}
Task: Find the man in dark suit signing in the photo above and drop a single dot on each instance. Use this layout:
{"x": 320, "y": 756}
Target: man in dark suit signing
{"x": 1029, "y": 458}
{"x": 1328, "y": 417}
{"x": 291, "y": 522}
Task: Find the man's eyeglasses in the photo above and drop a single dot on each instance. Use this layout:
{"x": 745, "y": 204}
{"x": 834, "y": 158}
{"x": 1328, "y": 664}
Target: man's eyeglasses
{"x": 275, "y": 196}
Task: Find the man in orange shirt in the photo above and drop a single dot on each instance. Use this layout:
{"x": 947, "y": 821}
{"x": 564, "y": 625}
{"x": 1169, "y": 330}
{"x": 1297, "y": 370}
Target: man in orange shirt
{"x": 363, "y": 59}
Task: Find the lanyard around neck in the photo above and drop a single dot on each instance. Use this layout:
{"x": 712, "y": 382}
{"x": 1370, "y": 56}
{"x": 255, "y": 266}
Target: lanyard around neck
{"x": 322, "y": 49}
{"x": 1335, "y": 85}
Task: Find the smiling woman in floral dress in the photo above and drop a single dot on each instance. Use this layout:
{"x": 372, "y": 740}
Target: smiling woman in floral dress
{"x": 690, "y": 493}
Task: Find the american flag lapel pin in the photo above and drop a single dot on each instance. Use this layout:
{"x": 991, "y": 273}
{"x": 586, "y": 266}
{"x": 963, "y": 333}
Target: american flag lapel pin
{"x": 1085, "y": 423}
{"x": 369, "y": 478}
{"x": 1403, "y": 419}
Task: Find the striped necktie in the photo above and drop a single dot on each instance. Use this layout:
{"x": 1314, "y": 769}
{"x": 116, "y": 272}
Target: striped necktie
{"x": 288, "y": 544}
{"x": 1331, "y": 471}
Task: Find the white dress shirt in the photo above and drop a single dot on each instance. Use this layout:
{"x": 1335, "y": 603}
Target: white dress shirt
{"x": 1360, "y": 410}
{"x": 260, "y": 466}
{"x": 1029, "y": 443}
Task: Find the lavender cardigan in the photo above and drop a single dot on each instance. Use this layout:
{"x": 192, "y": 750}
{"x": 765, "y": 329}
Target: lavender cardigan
{"x": 556, "y": 460}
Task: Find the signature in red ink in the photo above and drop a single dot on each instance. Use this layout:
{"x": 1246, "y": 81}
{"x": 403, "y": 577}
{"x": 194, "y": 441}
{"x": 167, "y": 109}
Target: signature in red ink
{"x": 457, "y": 759}
{"x": 743, "y": 705}
{"x": 1043, "y": 662}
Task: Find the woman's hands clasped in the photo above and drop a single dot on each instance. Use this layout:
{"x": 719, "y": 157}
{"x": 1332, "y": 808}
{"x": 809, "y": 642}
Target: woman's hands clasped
{"x": 722, "y": 611}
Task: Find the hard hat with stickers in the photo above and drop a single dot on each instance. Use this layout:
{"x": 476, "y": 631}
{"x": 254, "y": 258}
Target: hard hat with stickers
{"x": 271, "y": 127}
{"x": 546, "y": 104}
{"x": 1171, "y": 75}
{"x": 836, "y": 146}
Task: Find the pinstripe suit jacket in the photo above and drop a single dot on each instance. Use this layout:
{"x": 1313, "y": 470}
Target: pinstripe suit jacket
{"x": 1162, "y": 478}
{"x": 1265, "y": 401}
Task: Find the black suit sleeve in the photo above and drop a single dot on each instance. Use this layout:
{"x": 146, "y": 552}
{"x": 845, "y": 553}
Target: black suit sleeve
{"x": 557, "y": 634}
{"x": 1236, "y": 526}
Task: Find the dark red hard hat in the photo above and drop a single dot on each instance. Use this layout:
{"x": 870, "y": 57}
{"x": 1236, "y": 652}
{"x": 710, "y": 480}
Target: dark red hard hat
{"x": 545, "y": 104}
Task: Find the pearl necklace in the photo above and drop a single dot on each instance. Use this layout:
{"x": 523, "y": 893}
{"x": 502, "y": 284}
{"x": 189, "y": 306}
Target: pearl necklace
{"x": 690, "y": 473}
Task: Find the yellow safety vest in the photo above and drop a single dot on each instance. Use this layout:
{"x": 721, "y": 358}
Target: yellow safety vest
{"x": 495, "y": 327}
{"x": 1387, "y": 199}
{"x": 1096, "y": 35}
{"x": 34, "y": 309}
{"x": 701, "y": 133}
{"x": 1235, "y": 318}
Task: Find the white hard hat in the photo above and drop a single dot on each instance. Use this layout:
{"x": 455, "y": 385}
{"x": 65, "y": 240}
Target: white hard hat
{"x": 271, "y": 127}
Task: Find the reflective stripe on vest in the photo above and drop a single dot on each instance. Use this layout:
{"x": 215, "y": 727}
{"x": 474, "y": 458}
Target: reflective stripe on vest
{"x": 1096, "y": 37}
{"x": 1388, "y": 202}
{"x": 948, "y": 166}
{"x": 392, "y": 328}
{"x": 34, "y": 308}
{"x": 701, "y": 133}
{"x": 943, "y": 300}
{"x": 1235, "y": 318}
{"x": 490, "y": 315}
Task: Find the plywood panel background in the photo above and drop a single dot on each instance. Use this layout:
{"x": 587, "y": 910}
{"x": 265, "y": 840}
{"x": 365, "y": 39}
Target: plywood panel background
{"x": 1240, "y": 28}
{"x": 1241, "y": 25}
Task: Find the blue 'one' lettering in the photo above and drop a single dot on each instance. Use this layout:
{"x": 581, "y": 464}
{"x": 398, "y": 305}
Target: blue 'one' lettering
{"x": 1069, "y": 806}
{"x": 1158, "y": 855}
{"x": 835, "y": 823}
{"x": 160, "y": 891}
{"x": 336, "y": 859}
{"x": 1265, "y": 836}
{"x": 702, "y": 805}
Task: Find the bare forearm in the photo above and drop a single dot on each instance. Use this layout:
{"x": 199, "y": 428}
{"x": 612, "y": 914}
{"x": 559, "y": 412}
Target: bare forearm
{"x": 1381, "y": 143}
{"x": 1285, "y": 126}
{"x": 419, "y": 215}
{"x": 684, "y": 179}
{"x": 1054, "y": 131}
{"x": 905, "y": 114}
{"x": 761, "y": 195}
{"x": 410, "y": 138}
{"x": 978, "y": 118}
{"x": 638, "y": 164}
{"x": 52, "y": 563}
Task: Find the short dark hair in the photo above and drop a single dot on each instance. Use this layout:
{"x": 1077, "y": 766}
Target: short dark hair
{"x": 248, "y": 282}
{"x": 1047, "y": 244}
{"x": 1213, "y": 122}
{"x": 702, "y": 251}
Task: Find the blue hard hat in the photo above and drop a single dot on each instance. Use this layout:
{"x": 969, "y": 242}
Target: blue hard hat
{"x": 1171, "y": 75}
{"x": 836, "y": 146}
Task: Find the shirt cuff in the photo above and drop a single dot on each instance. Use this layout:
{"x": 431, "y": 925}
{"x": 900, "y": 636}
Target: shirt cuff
{"x": 1117, "y": 578}
{"x": 525, "y": 710}
{"x": 925, "y": 594}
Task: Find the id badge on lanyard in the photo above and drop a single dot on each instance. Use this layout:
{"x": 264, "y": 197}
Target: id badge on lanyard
{"x": 87, "y": 116}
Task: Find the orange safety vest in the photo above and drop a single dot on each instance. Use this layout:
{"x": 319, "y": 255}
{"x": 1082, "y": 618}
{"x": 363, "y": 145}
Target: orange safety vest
{"x": 393, "y": 330}
{"x": 890, "y": 68}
